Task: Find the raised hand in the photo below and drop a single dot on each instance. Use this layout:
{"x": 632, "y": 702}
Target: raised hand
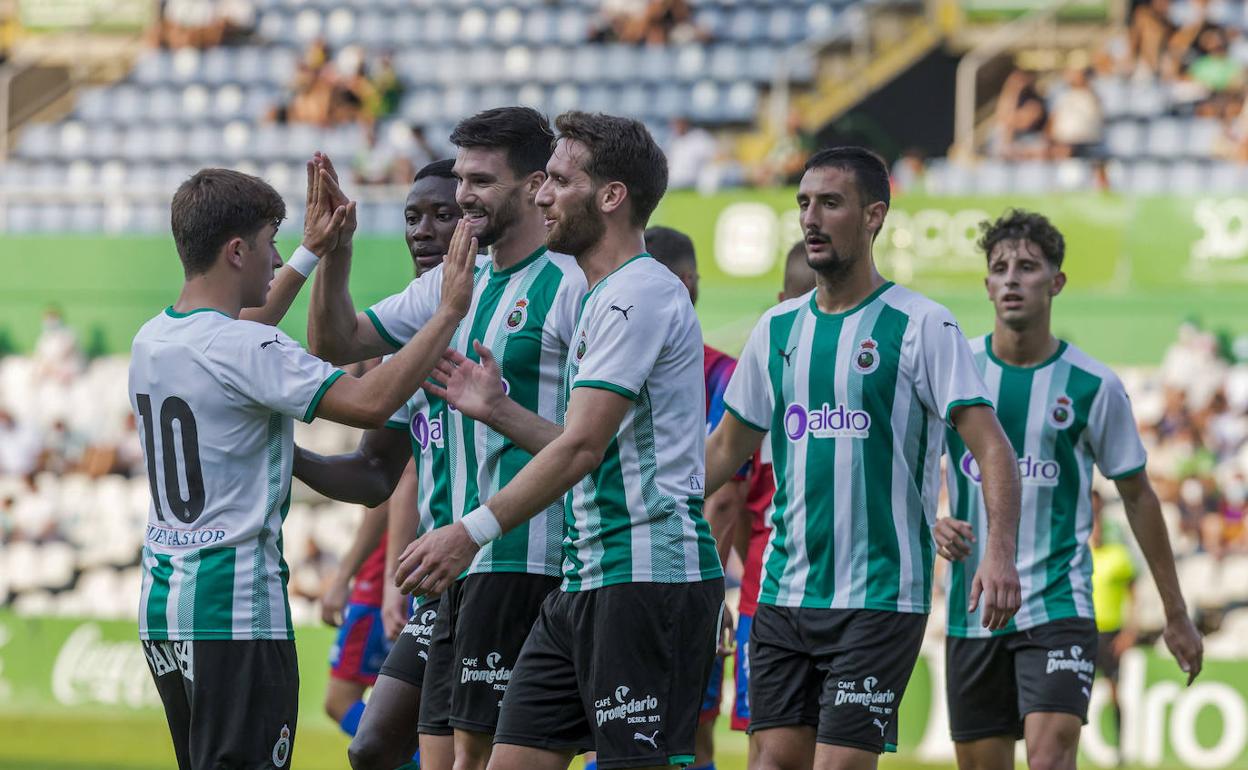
{"x": 458, "y": 268}
{"x": 475, "y": 389}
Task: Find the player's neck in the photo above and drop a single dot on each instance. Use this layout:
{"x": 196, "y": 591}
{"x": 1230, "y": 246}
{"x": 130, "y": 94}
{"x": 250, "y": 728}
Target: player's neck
{"x": 203, "y": 291}
{"x": 611, "y": 251}
{"x": 526, "y": 236}
{"x": 1024, "y": 346}
{"x": 845, "y": 291}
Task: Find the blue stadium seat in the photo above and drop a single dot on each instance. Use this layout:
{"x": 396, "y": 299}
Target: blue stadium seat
{"x": 572, "y": 26}
{"x": 1202, "y": 136}
{"x": 517, "y": 65}
{"x": 1188, "y": 178}
{"x": 1072, "y": 175}
{"x": 655, "y": 65}
{"x": 597, "y": 97}
{"x": 1165, "y": 138}
{"x": 566, "y": 96}
{"x": 633, "y": 100}
{"x": 1113, "y": 93}
{"x": 992, "y": 177}
{"x": 553, "y": 64}
{"x": 1147, "y": 177}
{"x": 472, "y": 26}
{"x": 339, "y": 27}
{"x": 507, "y": 27}
{"x": 783, "y": 26}
{"x": 741, "y": 104}
{"x": 727, "y": 63}
{"x": 670, "y": 102}
{"x": 216, "y": 66}
{"x": 103, "y": 142}
{"x": 704, "y": 101}
{"x": 539, "y": 26}
{"x": 1146, "y": 99}
{"x": 587, "y": 65}
{"x": 1124, "y": 139}
{"x": 690, "y": 63}
{"x": 532, "y": 95}
{"x": 1033, "y": 177}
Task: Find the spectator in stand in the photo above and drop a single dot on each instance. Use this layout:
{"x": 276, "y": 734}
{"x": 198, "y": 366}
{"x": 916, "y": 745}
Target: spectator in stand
{"x": 21, "y": 446}
{"x": 908, "y": 174}
{"x": 1149, "y": 36}
{"x": 1021, "y": 118}
{"x": 786, "y": 160}
{"x": 355, "y": 98}
{"x": 389, "y": 89}
{"x": 1220, "y": 77}
{"x": 1191, "y": 41}
{"x": 650, "y": 22}
{"x": 202, "y": 23}
{"x": 690, "y": 151}
{"x": 414, "y": 153}
{"x": 377, "y": 162}
{"x": 1076, "y": 123}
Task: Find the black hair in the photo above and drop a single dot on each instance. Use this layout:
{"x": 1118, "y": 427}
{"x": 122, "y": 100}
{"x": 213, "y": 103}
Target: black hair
{"x": 870, "y": 170}
{"x": 439, "y": 168}
{"x": 522, "y": 131}
{"x": 672, "y": 248}
{"x": 216, "y": 205}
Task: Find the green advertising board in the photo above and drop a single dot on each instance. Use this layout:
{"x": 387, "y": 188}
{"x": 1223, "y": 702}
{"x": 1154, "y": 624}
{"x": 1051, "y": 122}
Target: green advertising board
{"x": 1137, "y": 268}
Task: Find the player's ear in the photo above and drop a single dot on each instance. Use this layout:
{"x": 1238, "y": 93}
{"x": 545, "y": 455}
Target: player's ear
{"x": 875, "y": 217}
{"x": 611, "y": 196}
{"x": 533, "y": 182}
{"x": 234, "y": 252}
{"x": 1059, "y": 283}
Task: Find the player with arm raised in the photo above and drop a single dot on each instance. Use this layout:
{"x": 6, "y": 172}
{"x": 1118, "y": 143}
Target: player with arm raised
{"x": 619, "y": 658}
{"x": 1063, "y": 412}
{"x": 855, "y": 382}
{"x": 216, "y": 397}
{"x": 524, "y": 308}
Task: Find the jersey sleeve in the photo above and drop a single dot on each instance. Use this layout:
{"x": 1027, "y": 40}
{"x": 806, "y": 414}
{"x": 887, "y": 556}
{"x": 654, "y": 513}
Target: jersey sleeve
{"x": 946, "y": 376}
{"x": 567, "y": 305}
{"x": 1112, "y": 433}
{"x": 749, "y": 396}
{"x": 624, "y": 335}
{"x": 399, "y": 317}
{"x": 265, "y": 366}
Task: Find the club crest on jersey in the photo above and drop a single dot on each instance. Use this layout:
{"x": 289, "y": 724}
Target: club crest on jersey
{"x": 1062, "y": 414}
{"x": 581, "y": 346}
{"x": 518, "y": 315}
{"x": 867, "y": 359}
{"x": 281, "y": 749}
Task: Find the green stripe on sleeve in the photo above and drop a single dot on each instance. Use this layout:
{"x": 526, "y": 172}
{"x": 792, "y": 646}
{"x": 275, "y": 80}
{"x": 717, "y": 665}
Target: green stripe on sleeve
{"x": 742, "y": 420}
{"x": 396, "y": 425}
{"x": 965, "y": 402}
{"x": 381, "y": 330}
{"x": 603, "y": 385}
{"x": 320, "y": 393}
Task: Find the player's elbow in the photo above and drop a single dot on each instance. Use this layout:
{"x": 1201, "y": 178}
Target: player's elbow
{"x": 584, "y": 455}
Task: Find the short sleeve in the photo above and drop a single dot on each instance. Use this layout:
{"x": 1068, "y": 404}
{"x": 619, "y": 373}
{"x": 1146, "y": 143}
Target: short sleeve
{"x": 567, "y": 305}
{"x": 624, "y": 333}
{"x": 399, "y": 317}
{"x": 264, "y": 365}
{"x": 1112, "y": 433}
{"x": 947, "y": 376}
{"x": 749, "y": 396}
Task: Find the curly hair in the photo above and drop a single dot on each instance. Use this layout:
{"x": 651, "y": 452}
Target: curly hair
{"x": 1020, "y": 225}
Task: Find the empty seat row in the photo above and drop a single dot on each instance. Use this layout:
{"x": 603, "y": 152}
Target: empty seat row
{"x": 127, "y": 102}
{"x": 1142, "y": 177}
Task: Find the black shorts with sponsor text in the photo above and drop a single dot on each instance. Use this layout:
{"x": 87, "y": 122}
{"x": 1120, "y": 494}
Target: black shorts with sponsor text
{"x": 993, "y": 684}
{"x": 410, "y": 653}
{"x": 482, "y": 623}
{"x": 842, "y": 672}
{"x": 620, "y": 670}
{"x": 228, "y": 703}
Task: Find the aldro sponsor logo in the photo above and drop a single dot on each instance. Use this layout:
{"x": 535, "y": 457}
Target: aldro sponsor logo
{"x": 426, "y": 432}
{"x": 826, "y": 421}
{"x": 875, "y": 700}
{"x": 635, "y": 711}
{"x": 492, "y": 674}
{"x": 1031, "y": 470}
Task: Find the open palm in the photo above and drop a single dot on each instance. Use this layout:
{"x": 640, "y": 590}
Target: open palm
{"x": 475, "y": 389}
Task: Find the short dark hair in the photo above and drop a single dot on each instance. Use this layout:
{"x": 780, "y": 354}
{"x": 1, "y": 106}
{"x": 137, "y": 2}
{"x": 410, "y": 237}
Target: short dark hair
{"x": 672, "y": 248}
{"x": 443, "y": 169}
{"x": 620, "y": 150}
{"x": 522, "y": 131}
{"x": 215, "y": 205}
{"x": 1021, "y": 225}
{"x": 870, "y": 170}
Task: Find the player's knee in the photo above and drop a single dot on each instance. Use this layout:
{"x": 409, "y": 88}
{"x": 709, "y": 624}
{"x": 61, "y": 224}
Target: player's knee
{"x": 367, "y": 753}
{"x": 1051, "y": 755}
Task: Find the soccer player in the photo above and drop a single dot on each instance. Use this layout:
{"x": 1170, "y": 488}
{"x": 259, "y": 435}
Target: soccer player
{"x": 1063, "y": 412}
{"x": 674, "y": 250}
{"x": 619, "y": 658}
{"x": 216, "y": 397}
{"x": 363, "y": 655}
{"x": 524, "y": 308}
{"x": 754, "y": 528}
{"x": 855, "y": 383}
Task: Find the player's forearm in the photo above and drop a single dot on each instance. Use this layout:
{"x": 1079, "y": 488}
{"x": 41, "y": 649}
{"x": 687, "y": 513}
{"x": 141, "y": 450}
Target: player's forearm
{"x": 331, "y": 314}
{"x": 1002, "y": 491}
{"x": 389, "y": 386}
{"x": 722, "y": 511}
{"x": 367, "y": 538}
{"x": 1149, "y": 527}
{"x": 282, "y": 293}
{"x": 349, "y": 478}
{"x": 526, "y": 429}
{"x": 545, "y": 479}
{"x": 727, "y": 449}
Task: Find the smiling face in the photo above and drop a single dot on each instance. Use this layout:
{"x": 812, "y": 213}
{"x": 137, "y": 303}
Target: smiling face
{"x": 488, "y": 192}
{"x": 1021, "y": 282}
{"x": 837, "y": 225}
{"x": 431, "y": 214}
{"x": 257, "y": 259}
{"x": 569, "y": 201}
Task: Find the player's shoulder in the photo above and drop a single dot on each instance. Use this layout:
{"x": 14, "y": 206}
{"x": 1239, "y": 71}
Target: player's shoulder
{"x": 1079, "y": 359}
{"x": 918, "y": 307}
{"x": 788, "y": 307}
{"x": 571, "y": 276}
{"x": 645, "y": 283}
{"x": 239, "y": 333}
{"x": 978, "y": 344}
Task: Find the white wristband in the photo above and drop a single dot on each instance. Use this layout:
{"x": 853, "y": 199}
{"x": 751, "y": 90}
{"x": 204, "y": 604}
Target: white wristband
{"x": 303, "y": 261}
{"x": 482, "y": 526}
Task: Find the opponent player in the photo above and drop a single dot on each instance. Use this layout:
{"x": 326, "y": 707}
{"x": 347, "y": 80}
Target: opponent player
{"x": 620, "y": 656}
{"x": 524, "y": 309}
{"x": 216, "y": 398}
{"x": 754, "y": 528}
{"x": 1113, "y": 594}
{"x": 389, "y": 733}
{"x": 1063, "y": 412}
{"x": 674, "y": 250}
{"x": 855, "y": 383}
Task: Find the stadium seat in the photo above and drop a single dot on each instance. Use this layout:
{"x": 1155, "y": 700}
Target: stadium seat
{"x": 1033, "y": 177}
{"x": 992, "y": 177}
{"x": 1202, "y": 136}
{"x": 1123, "y": 139}
{"x": 1147, "y": 177}
{"x": 1165, "y": 138}
{"x": 1188, "y": 178}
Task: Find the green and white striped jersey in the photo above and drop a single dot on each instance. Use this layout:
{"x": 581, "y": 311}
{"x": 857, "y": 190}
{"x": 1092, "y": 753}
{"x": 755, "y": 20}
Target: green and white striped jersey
{"x": 637, "y": 517}
{"x": 856, "y": 405}
{"x": 422, "y": 419}
{"x": 525, "y": 316}
{"x": 1061, "y": 417}
{"x": 214, "y": 399}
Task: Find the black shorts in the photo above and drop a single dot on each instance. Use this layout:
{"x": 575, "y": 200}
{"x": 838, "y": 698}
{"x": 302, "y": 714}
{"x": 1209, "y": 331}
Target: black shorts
{"x": 620, "y": 669}
{"x": 482, "y": 623}
{"x": 842, "y": 672}
{"x": 228, "y": 703}
{"x": 410, "y": 652}
{"x": 994, "y": 683}
{"x": 1107, "y": 659}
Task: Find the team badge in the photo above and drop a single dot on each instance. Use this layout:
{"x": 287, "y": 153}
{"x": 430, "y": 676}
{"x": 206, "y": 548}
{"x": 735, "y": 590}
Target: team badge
{"x": 1062, "y": 415}
{"x": 580, "y": 348}
{"x": 281, "y": 749}
{"x": 518, "y": 315}
{"x": 867, "y": 359}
